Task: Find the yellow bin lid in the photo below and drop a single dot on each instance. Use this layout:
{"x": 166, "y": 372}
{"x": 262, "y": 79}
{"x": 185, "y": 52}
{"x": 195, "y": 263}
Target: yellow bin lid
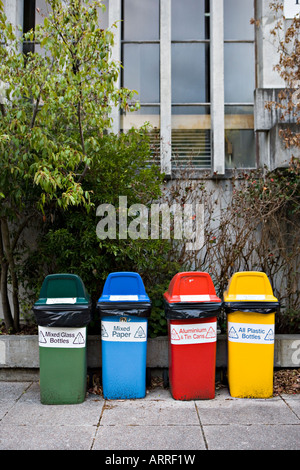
{"x": 249, "y": 286}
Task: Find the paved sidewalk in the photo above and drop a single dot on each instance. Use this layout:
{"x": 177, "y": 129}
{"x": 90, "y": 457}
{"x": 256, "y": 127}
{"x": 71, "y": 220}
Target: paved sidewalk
{"x": 157, "y": 422}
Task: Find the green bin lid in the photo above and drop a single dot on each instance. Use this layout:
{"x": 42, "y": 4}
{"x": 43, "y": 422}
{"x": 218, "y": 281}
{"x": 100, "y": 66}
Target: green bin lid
{"x": 63, "y": 289}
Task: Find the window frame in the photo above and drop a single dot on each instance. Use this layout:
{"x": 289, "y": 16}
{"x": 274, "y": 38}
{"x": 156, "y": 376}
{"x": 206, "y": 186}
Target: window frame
{"x": 243, "y": 104}
{"x": 216, "y": 102}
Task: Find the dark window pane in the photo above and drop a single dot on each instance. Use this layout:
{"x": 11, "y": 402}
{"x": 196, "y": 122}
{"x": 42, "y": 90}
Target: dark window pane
{"x": 141, "y": 20}
{"x": 189, "y": 73}
{"x": 188, "y": 19}
{"x": 28, "y": 23}
{"x": 239, "y": 73}
{"x": 141, "y": 70}
{"x": 191, "y": 110}
{"x": 237, "y": 16}
{"x": 239, "y": 148}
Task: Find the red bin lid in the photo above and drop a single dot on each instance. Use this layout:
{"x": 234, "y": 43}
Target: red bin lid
{"x": 191, "y": 287}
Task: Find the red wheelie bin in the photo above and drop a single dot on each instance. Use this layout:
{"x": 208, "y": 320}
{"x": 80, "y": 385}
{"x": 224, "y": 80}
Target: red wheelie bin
{"x": 191, "y": 309}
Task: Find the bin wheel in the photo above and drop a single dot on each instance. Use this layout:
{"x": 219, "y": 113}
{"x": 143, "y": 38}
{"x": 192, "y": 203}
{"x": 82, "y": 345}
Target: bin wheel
{"x": 165, "y": 378}
{"x": 148, "y": 376}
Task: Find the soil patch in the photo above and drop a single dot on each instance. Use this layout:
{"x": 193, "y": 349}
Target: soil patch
{"x": 24, "y": 330}
{"x": 286, "y": 381}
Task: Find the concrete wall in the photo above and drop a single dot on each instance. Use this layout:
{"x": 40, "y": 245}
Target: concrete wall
{"x": 267, "y": 47}
{"x": 19, "y": 355}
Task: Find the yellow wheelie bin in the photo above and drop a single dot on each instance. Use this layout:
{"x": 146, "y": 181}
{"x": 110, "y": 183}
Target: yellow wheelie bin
{"x": 250, "y": 307}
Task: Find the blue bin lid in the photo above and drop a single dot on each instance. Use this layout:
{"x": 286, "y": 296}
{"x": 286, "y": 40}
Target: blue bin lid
{"x": 124, "y": 287}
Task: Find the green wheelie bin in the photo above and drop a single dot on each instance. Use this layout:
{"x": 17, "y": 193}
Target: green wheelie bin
{"x": 62, "y": 312}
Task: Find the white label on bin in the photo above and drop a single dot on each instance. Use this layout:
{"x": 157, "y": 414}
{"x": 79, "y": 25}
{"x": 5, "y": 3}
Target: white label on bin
{"x": 195, "y": 298}
{"x": 50, "y": 337}
{"x": 123, "y": 297}
{"x": 250, "y": 297}
{"x": 251, "y": 333}
{"x": 63, "y": 300}
{"x": 124, "y": 331}
{"x": 193, "y": 333}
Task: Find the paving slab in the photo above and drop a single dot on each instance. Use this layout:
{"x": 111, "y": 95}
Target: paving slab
{"x": 154, "y": 423}
{"x": 153, "y": 413}
{"x": 225, "y": 409}
{"x": 144, "y": 437}
{"x": 28, "y": 411}
{"x": 252, "y": 437}
{"x": 11, "y": 391}
{"x": 43, "y": 437}
{"x": 293, "y": 402}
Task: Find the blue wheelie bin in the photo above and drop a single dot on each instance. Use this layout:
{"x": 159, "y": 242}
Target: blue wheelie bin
{"x": 124, "y": 308}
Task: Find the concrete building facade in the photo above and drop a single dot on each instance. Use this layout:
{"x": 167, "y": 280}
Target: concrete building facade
{"x": 203, "y": 72}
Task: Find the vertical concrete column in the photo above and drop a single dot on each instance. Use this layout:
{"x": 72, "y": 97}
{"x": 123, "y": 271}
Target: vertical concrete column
{"x": 217, "y": 85}
{"x": 13, "y": 10}
{"x": 165, "y": 86}
{"x": 115, "y": 15}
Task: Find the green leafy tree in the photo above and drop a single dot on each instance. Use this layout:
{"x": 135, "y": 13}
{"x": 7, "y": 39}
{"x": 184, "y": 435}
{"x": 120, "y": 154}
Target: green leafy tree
{"x": 68, "y": 242}
{"x": 55, "y": 108}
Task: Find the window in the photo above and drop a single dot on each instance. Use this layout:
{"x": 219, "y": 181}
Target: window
{"x": 239, "y": 83}
{"x": 190, "y": 87}
{"x": 193, "y": 36}
{"x": 34, "y": 13}
{"x": 173, "y": 54}
{"x": 140, "y": 54}
{"x": 28, "y": 23}
{"x": 140, "y": 51}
